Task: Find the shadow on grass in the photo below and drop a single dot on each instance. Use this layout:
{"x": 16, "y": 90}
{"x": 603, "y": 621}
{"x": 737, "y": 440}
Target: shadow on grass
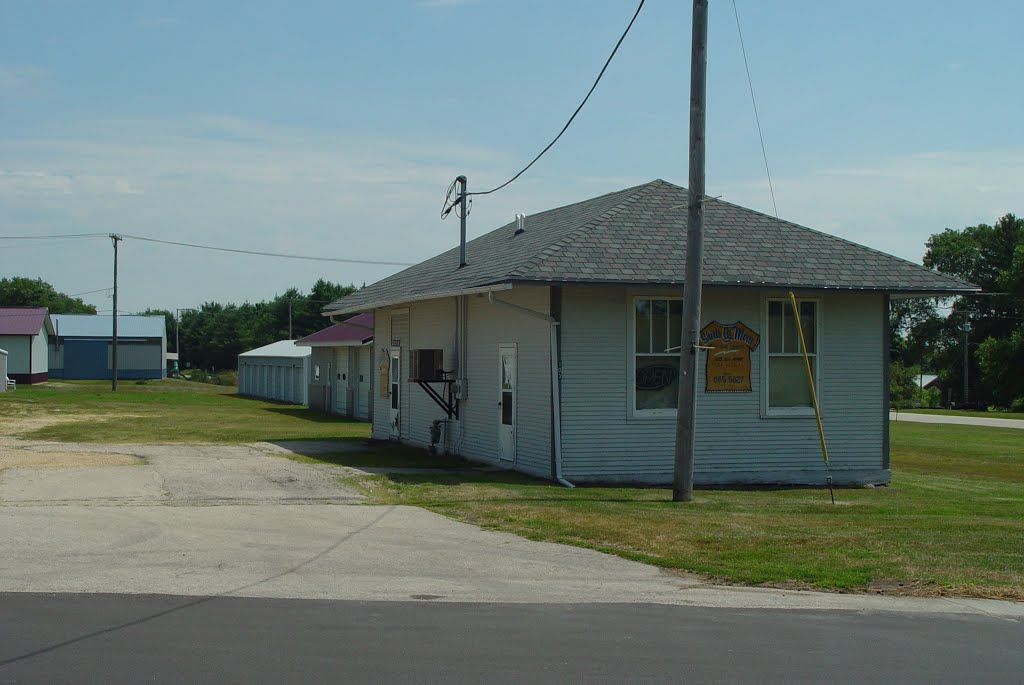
{"x": 305, "y": 414}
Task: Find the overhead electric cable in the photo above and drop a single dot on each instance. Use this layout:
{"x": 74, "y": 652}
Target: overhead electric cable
{"x": 753, "y": 101}
{"x": 567, "y": 124}
{"x": 48, "y": 237}
{"x": 266, "y": 254}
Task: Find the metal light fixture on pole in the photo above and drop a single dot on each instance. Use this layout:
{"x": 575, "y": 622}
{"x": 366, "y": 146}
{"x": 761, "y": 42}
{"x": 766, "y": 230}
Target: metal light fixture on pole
{"x": 686, "y": 417}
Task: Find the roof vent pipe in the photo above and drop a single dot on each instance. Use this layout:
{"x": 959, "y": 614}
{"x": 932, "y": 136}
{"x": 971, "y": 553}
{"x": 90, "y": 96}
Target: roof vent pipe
{"x": 520, "y": 220}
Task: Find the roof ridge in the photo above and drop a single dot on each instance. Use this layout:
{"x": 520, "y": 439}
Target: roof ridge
{"x": 861, "y": 246}
{"x": 638, "y": 193}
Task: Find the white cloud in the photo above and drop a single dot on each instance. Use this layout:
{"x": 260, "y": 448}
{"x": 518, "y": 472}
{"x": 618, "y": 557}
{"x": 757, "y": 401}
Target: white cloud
{"x": 895, "y": 204}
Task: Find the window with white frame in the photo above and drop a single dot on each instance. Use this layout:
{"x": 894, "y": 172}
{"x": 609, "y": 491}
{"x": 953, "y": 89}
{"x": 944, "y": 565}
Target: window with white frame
{"x": 657, "y": 334}
{"x": 786, "y": 378}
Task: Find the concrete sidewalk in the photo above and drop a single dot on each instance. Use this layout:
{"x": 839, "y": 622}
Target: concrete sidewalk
{"x": 956, "y": 420}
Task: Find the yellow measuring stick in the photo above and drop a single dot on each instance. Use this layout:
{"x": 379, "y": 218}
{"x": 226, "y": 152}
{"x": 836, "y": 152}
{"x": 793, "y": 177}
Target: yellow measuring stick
{"x": 810, "y": 384}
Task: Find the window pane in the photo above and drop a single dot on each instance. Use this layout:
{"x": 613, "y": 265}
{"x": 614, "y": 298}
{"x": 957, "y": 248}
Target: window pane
{"x": 506, "y": 408}
{"x": 659, "y": 325}
{"x": 657, "y": 382}
{"x": 791, "y": 339}
{"x": 643, "y": 326}
{"x": 774, "y": 327}
{"x": 787, "y": 382}
{"x": 808, "y": 315}
{"x": 675, "y": 324}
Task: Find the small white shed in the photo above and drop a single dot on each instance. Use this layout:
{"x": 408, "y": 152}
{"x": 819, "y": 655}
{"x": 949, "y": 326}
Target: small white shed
{"x": 278, "y": 371}
{"x": 3, "y": 370}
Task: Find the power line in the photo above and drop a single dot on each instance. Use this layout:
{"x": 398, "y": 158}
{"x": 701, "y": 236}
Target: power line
{"x": 208, "y": 247}
{"x": 753, "y": 102}
{"x": 267, "y": 254}
{"x": 49, "y": 237}
{"x": 564, "y": 128}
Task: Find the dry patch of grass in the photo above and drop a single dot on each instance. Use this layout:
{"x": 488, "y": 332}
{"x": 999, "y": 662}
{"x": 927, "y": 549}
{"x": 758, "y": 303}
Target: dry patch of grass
{"x": 19, "y": 457}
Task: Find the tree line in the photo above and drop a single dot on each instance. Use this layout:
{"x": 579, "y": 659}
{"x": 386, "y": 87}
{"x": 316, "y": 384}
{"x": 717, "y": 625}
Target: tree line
{"x": 976, "y": 338}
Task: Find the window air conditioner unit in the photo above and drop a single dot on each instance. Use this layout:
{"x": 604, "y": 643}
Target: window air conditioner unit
{"x": 426, "y": 365}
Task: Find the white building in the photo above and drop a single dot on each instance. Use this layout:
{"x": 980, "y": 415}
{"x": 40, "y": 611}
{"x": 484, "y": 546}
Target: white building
{"x": 24, "y": 333}
{"x": 341, "y": 380}
{"x": 278, "y": 371}
{"x": 554, "y": 350}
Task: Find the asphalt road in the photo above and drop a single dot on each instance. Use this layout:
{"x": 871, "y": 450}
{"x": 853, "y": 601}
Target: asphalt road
{"x": 164, "y": 639}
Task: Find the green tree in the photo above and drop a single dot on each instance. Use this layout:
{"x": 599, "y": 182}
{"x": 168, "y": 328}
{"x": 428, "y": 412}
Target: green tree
{"x": 903, "y": 386}
{"x": 29, "y": 292}
{"x": 991, "y": 257}
{"x": 170, "y": 325}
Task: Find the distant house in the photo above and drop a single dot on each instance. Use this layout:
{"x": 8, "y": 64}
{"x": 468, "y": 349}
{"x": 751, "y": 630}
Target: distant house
{"x": 82, "y": 346}
{"x": 554, "y": 350}
{"x": 278, "y": 371}
{"x": 342, "y": 373}
{"x": 24, "y": 333}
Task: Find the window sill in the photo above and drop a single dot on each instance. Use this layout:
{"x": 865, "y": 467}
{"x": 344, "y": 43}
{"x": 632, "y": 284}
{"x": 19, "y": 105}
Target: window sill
{"x": 652, "y": 414}
{"x": 794, "y": 413}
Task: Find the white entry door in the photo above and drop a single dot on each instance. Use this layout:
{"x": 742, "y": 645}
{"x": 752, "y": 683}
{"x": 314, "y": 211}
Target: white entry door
{"x": 507, "y": 401}
{"x": 394, "y": 393}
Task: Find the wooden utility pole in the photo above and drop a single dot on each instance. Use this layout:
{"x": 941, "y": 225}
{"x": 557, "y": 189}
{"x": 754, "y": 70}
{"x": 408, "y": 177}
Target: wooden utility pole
{"x": 114, "y": 238}
{"x": 686, "y": 417}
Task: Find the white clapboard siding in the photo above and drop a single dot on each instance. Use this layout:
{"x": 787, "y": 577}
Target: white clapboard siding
{"x": 431, "y": 325}
{"x": 489, "y": 326}
{"x": 364, "y": 381}
{"x": 736, "y": 443}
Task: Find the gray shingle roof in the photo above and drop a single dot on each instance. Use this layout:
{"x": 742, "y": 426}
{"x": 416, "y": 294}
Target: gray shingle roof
{"x": 637, "y": 236}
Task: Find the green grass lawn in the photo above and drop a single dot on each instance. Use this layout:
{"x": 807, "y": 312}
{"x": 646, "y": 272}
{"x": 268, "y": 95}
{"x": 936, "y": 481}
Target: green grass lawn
{"x": 163, "y": 411}
{"x": 952, "y": 522}
{"x": 965, "y": 412}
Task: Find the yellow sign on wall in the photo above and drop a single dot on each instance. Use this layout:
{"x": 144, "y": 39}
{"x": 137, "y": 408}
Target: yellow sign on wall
{"x": 728, "y": 360}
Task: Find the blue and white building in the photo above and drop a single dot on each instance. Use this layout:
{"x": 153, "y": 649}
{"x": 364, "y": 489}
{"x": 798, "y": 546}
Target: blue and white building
{"x": 81, "y": 347}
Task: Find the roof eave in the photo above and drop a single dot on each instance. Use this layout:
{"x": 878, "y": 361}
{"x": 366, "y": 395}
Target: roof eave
{"x": 397, "y": 301}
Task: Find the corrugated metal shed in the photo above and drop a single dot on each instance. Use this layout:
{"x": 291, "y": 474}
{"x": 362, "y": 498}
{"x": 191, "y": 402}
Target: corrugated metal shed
{"x": 281, "y": 348}
{"x": 278, "y": 371}
{"x": 83, "y": 346}
{"x": 101, "y": 325}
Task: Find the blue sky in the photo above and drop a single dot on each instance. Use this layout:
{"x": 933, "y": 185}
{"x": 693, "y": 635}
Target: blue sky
{"x": 334, "y": 128}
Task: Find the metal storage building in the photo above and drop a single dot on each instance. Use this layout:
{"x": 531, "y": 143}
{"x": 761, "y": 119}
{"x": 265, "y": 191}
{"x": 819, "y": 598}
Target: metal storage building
{"x": 24, "y": 332}
{"x": 82, "y": 346}
{"x": 342, "y": 375}
{"x": 3, "y": 370}
{"x": 278, "y": 371}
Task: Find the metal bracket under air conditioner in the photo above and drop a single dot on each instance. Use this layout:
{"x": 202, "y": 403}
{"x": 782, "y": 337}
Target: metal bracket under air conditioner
{"x": 449, "y": 405}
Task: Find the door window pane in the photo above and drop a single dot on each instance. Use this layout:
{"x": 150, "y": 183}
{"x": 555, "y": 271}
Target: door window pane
{"x": 506, "y": 408}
